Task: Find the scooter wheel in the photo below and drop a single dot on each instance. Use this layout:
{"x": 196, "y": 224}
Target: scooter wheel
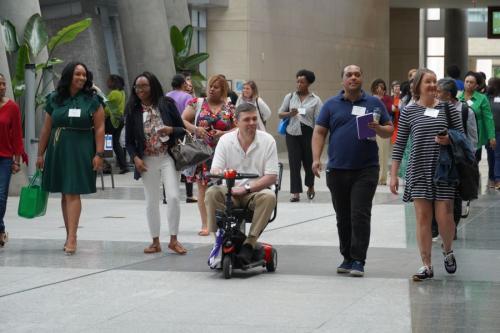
{"x": 271, "y": 265}
{"x": 227, "y": 267}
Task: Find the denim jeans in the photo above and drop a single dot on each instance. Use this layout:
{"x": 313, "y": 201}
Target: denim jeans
{"x": 5, "y": 173}
{"x": 352, "y": 195}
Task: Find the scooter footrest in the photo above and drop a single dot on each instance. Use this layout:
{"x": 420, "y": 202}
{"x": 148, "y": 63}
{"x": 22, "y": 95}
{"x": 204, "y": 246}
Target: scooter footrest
{"x": 254, "y": 264}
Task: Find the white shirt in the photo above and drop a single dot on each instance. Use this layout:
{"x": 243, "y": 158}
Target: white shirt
{"x": 311, "y": 103}
{"x": 261, "y": 157}
{"x": 262, "y": 108}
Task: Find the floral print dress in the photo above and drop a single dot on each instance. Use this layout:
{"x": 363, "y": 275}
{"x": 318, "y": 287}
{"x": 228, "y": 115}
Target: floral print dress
{"x": 210, "y": 121}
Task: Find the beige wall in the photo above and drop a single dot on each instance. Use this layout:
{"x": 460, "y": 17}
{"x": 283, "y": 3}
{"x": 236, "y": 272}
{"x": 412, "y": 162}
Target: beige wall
{"x": 404, "y": 42}
{"x": 269, "y": 40}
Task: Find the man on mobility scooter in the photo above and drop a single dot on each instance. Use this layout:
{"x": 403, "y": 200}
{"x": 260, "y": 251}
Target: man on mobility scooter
{"x": 245, "y": 150}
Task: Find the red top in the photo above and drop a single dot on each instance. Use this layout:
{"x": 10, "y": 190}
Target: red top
{"x": 11, "y": 133}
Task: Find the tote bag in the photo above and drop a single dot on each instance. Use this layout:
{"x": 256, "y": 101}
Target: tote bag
{"x": 33, "y": 200}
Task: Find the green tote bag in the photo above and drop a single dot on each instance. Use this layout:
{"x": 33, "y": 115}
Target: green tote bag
{"x": 33, "y": 200}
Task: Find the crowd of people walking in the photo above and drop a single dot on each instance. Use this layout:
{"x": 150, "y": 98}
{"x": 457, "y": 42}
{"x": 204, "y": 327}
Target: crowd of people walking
{"x": 414, "y": 121}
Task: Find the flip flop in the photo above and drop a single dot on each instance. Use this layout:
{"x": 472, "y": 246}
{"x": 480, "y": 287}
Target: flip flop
{"x": 177, "y": 248}
{"x": 203, "y": 232}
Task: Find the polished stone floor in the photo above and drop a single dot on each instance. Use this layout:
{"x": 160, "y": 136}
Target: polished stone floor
{"x": 110, "y": 285}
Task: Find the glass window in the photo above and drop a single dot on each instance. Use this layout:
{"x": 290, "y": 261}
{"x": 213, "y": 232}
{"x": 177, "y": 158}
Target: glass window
{"x": 485, "y": 66}
{"x": 435, "y": 46}
{"x": 477, "y": 14}
{"x": 436, "y": 64}
{"x": 433, "y": 14}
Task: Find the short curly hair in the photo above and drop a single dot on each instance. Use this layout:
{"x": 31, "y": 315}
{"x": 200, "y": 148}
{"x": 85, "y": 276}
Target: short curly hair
{"x": 309, "y": 75}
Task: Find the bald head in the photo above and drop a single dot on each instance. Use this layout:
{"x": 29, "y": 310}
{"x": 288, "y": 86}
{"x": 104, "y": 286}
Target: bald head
{"x": 350, "y": 68}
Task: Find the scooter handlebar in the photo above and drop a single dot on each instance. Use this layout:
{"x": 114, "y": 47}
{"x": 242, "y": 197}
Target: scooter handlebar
{"x": 237, "y": 176}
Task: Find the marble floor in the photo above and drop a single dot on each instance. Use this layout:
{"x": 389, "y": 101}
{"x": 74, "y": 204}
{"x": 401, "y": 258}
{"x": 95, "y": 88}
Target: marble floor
{"x": 111, "y": 285}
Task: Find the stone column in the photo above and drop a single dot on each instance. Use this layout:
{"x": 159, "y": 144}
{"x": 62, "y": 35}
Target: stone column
{"x": 18, "y": 12}
{"x": 177, "y": 13}
{"x": 4, "y": 67}
{"x": 456, "y": 46}
{"x": 146, "y": 39}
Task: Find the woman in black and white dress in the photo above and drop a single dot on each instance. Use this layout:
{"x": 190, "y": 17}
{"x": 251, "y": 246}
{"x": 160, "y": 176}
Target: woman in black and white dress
{"x": 421, "y": 122}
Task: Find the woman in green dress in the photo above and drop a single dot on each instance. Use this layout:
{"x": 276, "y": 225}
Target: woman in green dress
{"x": 72, "y": 140}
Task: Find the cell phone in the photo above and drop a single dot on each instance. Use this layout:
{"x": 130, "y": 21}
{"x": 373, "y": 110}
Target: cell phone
{"x": 443, "y": 132}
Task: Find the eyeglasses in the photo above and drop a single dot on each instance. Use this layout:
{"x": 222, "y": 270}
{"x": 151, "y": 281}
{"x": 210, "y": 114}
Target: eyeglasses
{"x": 141, "y": 87}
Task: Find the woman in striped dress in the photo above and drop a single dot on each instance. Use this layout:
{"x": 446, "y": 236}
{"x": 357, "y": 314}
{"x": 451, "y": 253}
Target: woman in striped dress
{"x": 421, "y": 122}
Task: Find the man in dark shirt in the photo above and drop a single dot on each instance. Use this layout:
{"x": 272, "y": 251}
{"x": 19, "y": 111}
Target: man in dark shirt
{"x": 353, "y": 164}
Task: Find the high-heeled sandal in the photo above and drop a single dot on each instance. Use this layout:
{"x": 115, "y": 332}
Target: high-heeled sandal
{"x": 69, "y": 251}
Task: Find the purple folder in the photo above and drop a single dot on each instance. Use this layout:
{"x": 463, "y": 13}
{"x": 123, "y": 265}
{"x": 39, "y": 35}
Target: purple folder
{"x": 362, "y": 123}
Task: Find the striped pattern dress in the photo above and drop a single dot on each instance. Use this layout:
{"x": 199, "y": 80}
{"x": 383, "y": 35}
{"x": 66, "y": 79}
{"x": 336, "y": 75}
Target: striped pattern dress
{"x": 422, "y": 130}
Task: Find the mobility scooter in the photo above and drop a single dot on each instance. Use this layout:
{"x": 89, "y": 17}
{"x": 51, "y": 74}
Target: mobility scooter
{"x": 231, "y": 230}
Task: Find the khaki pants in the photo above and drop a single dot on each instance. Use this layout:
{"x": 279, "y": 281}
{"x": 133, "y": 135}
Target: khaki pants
{"x": 262, "y": 203}
{"x": 384, "y": 150}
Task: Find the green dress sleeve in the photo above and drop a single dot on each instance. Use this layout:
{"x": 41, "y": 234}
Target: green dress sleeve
{"x": 49, "y": 100}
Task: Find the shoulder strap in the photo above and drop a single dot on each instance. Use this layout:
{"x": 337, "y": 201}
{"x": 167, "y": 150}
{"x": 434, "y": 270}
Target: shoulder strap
{"x": 289, "y": 100}
{"x": 258, "y": 109}
{"x": 199, "y": 104}
{"x": 465, "y": 116}
{"x": 448, "y": 116}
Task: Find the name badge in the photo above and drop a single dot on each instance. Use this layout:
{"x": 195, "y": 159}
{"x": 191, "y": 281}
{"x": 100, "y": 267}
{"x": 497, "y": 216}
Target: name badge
{"x": 496, "y": 100}
{"x": 74, "y": 113}
{"x": 144, "y": 117}
{"x": 433, "y": 113}
{"x": 302, "y": 111}
{"x": 470, "y": 102}
{"x": 358, "y": 110}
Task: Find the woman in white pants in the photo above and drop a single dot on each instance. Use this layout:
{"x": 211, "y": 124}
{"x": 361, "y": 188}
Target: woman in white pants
{"x": 153, "y": 126}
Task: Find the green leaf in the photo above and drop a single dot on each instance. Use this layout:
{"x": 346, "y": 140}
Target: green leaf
{"x": 18, "y": 88}
{"x": 176, "y": 39}
{"x": 194, "y": 60}
{"x": 35, "y": 34}
{"x": 187, "y": 34}
{"x": 51, "y": 62}
{"x": 23, "y": 58}
{"x": 9, "y": 36}
{"x": 69, "y": 33}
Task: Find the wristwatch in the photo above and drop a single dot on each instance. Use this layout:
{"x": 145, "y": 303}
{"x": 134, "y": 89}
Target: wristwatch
{"x": 100, "y": 154}
{"x": 247, "y": 188}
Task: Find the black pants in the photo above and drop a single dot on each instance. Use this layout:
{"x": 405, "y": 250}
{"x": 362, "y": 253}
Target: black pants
{"x": 352, "y": 195}
{"x": 117, "y": 148}
{"x": 300, "y": 154}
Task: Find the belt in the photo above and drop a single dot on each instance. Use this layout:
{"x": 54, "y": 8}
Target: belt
{"x": 59, "y": 129}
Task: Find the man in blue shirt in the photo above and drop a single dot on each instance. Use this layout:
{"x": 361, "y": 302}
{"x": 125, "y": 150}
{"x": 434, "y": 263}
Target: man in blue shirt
{"x": 353, "y": 168}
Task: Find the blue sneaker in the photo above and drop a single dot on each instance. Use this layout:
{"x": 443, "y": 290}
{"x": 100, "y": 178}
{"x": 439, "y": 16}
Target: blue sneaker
{"x": 345, "y": 267}
{"x": 358, "y": 268}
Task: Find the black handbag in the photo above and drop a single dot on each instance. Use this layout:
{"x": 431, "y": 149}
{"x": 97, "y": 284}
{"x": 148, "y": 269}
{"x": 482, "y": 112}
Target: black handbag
{"x": 190, "y": 151}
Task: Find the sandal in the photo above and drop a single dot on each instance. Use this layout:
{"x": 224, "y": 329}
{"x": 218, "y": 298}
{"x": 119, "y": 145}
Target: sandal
{"x": 4, "y": 237}
{"x": 177, "y": 248}
{"x": 310, "y": 194}
{"x": 203, "y": 232}
{"x": 152, "y": 249}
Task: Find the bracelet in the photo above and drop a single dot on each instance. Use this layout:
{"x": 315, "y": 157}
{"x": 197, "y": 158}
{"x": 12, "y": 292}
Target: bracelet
{"x": 99, "y": 154}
